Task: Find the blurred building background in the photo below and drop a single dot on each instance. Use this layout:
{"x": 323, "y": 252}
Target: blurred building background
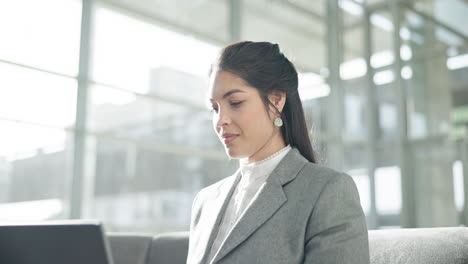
{"x": 104, "y": 111}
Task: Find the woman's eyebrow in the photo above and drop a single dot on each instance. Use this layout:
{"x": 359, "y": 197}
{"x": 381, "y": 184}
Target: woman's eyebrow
{"x": 229, "y": 93}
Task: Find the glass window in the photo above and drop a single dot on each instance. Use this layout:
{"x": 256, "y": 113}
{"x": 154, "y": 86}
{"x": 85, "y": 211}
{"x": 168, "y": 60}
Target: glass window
{"x": 43, "y": 34}
{"x": 122, "y": 114}
{"x": 34, "y": 172}
{"x": 458, "y": 186}
{"x": 154, "y": 145}
{"x": 37, "y": 97}
{"x": 355, "y": 127}
{"x": 388, "y": 190}
{"x": 387, "y": 120}
{"x": 139, "y": 186}
{"x": 363, "y": 185}
{"x": 298, "y": 31}
{"x": 132, "y": 54}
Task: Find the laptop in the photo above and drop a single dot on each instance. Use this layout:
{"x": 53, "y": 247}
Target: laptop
{"x": 54, "y": 242}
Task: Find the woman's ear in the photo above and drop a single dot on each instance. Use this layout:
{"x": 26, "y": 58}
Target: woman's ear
{"x": 278, "y": 99}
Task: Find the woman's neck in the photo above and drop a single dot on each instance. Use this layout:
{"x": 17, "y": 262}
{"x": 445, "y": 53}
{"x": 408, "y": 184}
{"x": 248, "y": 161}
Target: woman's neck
{"x": 269, "y": 149}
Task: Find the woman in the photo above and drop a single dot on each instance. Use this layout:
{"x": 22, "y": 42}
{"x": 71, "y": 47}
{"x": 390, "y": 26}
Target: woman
{"x": 279, "y": 206}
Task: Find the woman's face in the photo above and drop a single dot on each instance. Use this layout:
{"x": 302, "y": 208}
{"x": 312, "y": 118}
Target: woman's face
{"x": 239, "y": 110}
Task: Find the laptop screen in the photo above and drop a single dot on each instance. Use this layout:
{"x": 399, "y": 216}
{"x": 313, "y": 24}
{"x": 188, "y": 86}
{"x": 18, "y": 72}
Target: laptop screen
{"x": 59, "y": 242}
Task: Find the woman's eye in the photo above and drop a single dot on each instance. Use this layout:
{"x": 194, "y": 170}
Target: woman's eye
{"x": 236, "y": 103}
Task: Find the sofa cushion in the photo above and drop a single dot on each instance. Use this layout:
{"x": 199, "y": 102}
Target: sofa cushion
{"x": 419, "y": 245}
{"x": 391, "y": 246}
{"x": 169, "y": 248}
{"x": 129, "y": 248}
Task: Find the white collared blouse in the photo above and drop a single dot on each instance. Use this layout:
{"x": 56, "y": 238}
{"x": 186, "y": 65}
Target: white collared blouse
{"x": 253, "y": 176}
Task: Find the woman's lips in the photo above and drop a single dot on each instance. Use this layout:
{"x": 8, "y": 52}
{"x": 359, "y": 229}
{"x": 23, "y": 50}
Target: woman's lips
{"x": 229, "y": 139}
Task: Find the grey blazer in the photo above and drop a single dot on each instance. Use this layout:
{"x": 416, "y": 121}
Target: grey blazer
{"x": 304, "y": 213}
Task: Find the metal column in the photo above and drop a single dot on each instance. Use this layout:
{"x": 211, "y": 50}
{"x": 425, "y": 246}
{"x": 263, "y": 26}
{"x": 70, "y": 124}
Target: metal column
{"x": 408, "y": 214}
{"x": 463, "y": 148}
{"x": 235, "y": 22}
{"x": 372, "y": 122}
{"x": 335, "y": 101}
{"x": 77, "y": 183}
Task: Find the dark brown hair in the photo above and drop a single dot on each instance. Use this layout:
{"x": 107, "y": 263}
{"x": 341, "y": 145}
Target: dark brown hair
{"x": 263, "y": 66}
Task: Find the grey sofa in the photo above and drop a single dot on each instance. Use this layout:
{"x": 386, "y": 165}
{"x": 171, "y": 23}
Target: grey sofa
{"x": 410, "y": 246}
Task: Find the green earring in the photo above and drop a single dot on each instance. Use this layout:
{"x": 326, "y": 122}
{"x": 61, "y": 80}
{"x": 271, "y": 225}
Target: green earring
{"x": 278, "y": 122}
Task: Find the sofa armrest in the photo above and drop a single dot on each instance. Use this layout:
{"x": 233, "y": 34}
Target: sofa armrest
{"x": 169, "y": 248}
{"x": 129, "y": 248}
{"x": 419, "y": 245}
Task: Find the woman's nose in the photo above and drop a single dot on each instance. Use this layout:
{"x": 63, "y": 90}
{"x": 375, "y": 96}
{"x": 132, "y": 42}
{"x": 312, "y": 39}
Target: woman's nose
{"x": 223, "y": 119}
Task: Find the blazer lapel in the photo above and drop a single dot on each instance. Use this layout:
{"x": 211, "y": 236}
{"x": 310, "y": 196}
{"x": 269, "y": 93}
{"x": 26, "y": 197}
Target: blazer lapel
{"x": 216, "y": 209}
{"x": 270, "y": 198}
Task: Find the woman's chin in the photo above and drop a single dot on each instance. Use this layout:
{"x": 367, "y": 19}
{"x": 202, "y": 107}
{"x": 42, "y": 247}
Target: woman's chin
{"x": 232, "y": 152}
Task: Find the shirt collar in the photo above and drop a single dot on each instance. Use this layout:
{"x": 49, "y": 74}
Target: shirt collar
{"x": 261, "y": 169}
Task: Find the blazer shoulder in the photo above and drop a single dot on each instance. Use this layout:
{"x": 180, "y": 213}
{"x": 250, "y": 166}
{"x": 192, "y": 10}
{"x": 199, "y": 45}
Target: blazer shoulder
{"x": 319, "y": 175}
{"x": 320, "y": 171}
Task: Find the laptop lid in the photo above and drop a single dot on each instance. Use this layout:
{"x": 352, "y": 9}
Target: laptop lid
{"x": 54, "y": 242}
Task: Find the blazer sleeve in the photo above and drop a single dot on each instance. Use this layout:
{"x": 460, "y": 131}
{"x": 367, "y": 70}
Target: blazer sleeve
{"x": 336, "y": 229}
{"x": 193, "y": 221}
